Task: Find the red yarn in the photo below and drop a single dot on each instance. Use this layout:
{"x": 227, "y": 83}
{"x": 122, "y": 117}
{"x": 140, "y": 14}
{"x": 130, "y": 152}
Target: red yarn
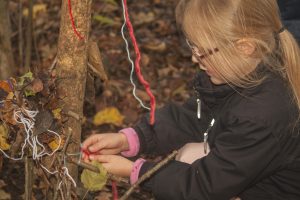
{"x": 114, "y": 190}
{"x": 137, "y": 65}
{"x": 72, "y": 20}
{"x": 86, "y": 152}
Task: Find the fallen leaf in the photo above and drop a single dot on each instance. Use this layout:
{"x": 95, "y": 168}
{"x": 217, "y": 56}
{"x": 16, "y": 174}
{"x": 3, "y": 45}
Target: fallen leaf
{"x": 38, "y": 8}
{"x": 113, "y": 2}
{"x": 54, "y": 144}
{"x": 160, "y": 47}
{"x": 110, "y": 115}
{"x": 142, "y": 18}
{"x": 29, "y": 93}
{"x": 23, "y": 78}
{"x": 4, "y": 195}
{"x": 94, "y": 181}
{"x": 104, "y": 20}
{"x": 57, "y": 113}
{"x": 3, "y": 138}
{"x": 4, "y": 85}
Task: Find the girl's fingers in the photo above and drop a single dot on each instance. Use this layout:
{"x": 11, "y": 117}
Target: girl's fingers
{"x": 90, "y": 141}
{"x": 109, "y": 151}
{"x": 97, "y": 146}
{"x": 100, "y": 158}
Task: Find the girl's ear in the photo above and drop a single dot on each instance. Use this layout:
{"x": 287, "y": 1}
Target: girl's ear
{"x": 246, "y": 46}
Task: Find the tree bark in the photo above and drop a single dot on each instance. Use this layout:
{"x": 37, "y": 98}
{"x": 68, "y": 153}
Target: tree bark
{"x": 72, "y": 68}
{"x": 7, "y": 64}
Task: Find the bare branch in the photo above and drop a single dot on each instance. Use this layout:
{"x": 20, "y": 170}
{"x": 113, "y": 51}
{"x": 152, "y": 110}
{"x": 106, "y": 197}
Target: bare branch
{"x": 149, "y": 174}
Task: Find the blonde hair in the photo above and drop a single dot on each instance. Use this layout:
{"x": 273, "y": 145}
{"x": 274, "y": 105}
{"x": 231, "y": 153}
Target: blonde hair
{"x": 219, "y": 24}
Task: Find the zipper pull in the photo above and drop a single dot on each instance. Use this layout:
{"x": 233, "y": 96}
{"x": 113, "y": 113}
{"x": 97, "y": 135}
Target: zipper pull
{"x": 205, "y": 135}
{"x": 205, "y": 142}
{"x": 198, "y": 108}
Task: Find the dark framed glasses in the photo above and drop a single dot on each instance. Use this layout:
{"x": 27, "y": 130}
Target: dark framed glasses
{"x": 196, "y": 53}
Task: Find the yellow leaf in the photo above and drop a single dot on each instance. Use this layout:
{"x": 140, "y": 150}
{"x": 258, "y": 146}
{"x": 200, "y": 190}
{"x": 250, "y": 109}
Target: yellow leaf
{"x": 10, "y": 96}
{"x": 55, "y": 143}
{"x": 109, "y": 115}
{"x": 36, "y": 9}
{"x": 57, "y": 113}
{"x": 3, "y": 138}
{"x": 94, "y": 181}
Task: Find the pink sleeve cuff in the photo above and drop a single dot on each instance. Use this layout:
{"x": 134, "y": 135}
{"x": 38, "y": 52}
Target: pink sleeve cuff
{"x": 134, "y": 176}
{"x": 133, "y": 142}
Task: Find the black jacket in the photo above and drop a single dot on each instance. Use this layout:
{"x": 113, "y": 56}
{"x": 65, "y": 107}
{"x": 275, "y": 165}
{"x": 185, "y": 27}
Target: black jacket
{"x": 290, "y": 14}
{"x": 255, "y": 147}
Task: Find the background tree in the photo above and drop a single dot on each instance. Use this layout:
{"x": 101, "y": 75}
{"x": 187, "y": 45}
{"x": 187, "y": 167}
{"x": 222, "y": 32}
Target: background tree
{"x": 6, "y": 56}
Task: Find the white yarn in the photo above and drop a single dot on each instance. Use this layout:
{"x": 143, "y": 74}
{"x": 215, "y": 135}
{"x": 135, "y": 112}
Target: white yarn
{"x": 130, "y": 60}
{"x": 47, "y": 170}
{"x": 66, "y": 172}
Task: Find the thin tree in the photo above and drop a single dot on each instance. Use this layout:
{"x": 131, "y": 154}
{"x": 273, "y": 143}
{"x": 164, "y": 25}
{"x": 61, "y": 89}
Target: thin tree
{"x": 72, "y": 60}
{"x": 7, "y": 64}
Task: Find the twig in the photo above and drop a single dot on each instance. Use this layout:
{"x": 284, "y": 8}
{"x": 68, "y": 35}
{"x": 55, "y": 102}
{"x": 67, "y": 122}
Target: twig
{"x": 149, "y": 174}
{"x": 64, "y": 150}
{"x": 28, "y": 177}
{"x": 53, "y": 64}
{"x": 56, "y": 190}
{"x": 96, "y": 170}
{"x": 74, "y": 115}
{"x": 29, "y": 37}
{"x": 87, "y": 191}
{"x": 20, "y": 27}
{"x": 96, "y": 71}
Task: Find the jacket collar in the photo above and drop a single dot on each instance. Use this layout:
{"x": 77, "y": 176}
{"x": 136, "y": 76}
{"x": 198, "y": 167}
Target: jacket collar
{"x": 210, "y": 94}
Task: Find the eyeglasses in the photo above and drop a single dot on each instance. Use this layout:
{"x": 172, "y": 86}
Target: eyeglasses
{"x": 198, "y": 56}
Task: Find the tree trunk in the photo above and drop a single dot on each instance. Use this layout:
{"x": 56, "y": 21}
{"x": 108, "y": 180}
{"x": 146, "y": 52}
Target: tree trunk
{"x": 7, "y": 64}
{"x": 72, "y": 68}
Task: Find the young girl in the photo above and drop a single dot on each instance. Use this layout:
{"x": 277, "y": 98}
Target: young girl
{"x": 249, "y": 88}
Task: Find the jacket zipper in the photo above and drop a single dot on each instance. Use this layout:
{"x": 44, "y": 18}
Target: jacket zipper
{"x": 205, "y": 134}
{"x": 198, "y": 104}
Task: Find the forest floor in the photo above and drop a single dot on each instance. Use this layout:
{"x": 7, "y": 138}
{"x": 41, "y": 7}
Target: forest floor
{"x": 166, "y": 64}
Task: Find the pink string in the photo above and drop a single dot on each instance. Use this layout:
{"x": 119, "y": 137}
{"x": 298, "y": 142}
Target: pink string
{"x": 114, "y": 190}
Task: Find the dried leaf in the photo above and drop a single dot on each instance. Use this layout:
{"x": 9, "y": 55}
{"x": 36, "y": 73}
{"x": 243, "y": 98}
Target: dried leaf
{"x": 38, "y": 8}
{"x": 4, "y": 195}
{"x": 104, "y": 20}
{"x": 4, "y": 85}
{"x": 55, "y": 143}
{"x": 29, "y": 93}
{"x": 109, "y": 115}
{"x": 3, "y": 138}
{"x": 44, "y": 120}
{"x": 57, "y": 113}
{"x": 94, "y": 181}
{"x": 10, "y": 96}
{"x": 160, "y": 47}
{"x": 113, "y": 2}
{"x": 23, "y": 78}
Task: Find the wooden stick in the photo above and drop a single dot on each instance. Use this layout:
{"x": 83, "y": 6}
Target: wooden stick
{"x": 64, "y": 150}
{"x": 29, "y": 37}
{"x": 28, "y": 177}
{"x": 96, "y": 170}
{"x": 148, "y": 174}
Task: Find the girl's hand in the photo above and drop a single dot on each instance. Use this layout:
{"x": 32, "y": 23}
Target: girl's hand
{"x": 114, "y": 164}
{"x": 191, "y": 152}
{"x": 106, "y": 143}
